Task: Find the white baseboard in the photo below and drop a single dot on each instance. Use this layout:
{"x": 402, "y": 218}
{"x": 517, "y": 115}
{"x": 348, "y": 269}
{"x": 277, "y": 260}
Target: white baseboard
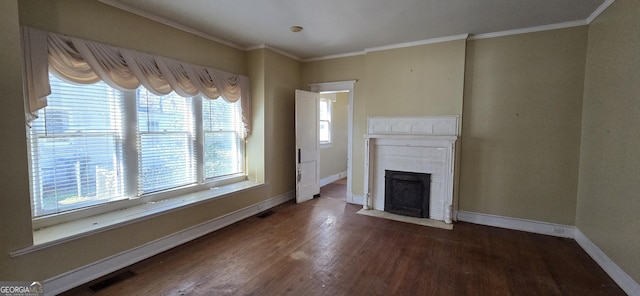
{"x": 87, "y": 273}
{"x": 616, "y": 273}
{"x": 82, "y": 275}
{"x": 357, "y": 199}
{"x": 552, "y": 229}
{"x": 333, "y": 178}
{"x": 623, "y": 280}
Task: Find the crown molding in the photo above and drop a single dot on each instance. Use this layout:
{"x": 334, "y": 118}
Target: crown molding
{"x": 599, "y": 10}
{"x": 549, "y": 27}
{"x": 169, "y": 23}
{"x": 282, "y": 52}
{"x": 336, "y": 56}
{"x": 196, "y": 32}
{"x": 391, "y": 46}
{"x": 276, "y": 50}
{"x": 529, "y": 30}
{"x": 254, "y": 47}
{"x": 418, "y": 43}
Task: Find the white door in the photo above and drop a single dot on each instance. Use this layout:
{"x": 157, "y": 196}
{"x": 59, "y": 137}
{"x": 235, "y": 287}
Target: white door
{"x": 307, "y": 146}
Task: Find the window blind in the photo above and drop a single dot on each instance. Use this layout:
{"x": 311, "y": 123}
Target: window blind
{"x": 223, "y": 142}
{"x": 76, "y": 148}
{"x": 93, "y": 144}
{"x": 166, "y": 135}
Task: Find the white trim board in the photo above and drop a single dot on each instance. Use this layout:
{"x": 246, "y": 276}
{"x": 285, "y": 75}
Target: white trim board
{"x": 170, "y": 23}
{"x": 529, "y": 30}
{"x": 87, "y": 273}
{"x": 418, "y": 43}
{"x": 626, "y": 283}
{"x": 552, "y": 229}
{"x": 599, "y": 10}
{"x": 357, "y": 199}
{"x": 197, "y": 32}
{"x": 335, "y": 56}
{"x": 333, "y": 178}
{"x": 548, "y": 27}
{"x": 276, "y": 50}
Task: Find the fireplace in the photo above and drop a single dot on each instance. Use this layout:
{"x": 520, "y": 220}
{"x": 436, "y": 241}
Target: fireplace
{"x": 407, "y": 193}
{"x": 424, "y": 145}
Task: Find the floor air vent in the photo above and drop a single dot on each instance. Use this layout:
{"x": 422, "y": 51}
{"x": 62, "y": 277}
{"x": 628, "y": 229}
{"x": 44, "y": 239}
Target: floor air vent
{"x": 266, "y": 214}
{"x": 116, "y": 278}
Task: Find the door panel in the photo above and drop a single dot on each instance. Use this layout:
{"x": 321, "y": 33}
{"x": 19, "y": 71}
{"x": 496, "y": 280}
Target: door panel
{"x": 307, "y": 146}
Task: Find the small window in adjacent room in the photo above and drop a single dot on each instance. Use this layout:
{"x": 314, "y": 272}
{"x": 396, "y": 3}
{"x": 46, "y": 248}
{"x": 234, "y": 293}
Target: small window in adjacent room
{"x": 325, "y": 121}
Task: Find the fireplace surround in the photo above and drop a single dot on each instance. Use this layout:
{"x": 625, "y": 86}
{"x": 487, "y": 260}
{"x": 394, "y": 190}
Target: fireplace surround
{"x": 412, "y": 144}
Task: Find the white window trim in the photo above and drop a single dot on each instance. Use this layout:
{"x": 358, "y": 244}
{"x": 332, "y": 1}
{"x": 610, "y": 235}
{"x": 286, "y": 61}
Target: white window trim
{"x": 201, "y": 189}
{"x": 64, "y": 232}
{"x": 327, "y": 144}
{"x": 118, "y": 205}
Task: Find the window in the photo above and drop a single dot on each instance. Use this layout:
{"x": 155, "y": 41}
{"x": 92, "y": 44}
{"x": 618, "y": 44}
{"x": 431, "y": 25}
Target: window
{"x": 165, "y": 137}
{"x": 93, "y": 145}
{"x": 325, "y": 121}
{"x": 223, "y": 143}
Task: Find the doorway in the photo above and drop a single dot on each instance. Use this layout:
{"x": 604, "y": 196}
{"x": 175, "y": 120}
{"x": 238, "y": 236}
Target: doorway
{"x": 333, "y": 127}
{"x": 343, "y": 87}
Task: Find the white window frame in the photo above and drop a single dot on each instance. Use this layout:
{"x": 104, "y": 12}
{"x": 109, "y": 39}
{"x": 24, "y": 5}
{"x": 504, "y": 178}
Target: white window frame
{"x": 131, "y": 159}
{"x": 329, "y": 103}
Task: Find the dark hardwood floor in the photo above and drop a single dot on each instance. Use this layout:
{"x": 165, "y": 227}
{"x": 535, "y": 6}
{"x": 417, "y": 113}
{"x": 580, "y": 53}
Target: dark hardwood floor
{"x": 337, "y": 190}
{"x": 322, "y": 247}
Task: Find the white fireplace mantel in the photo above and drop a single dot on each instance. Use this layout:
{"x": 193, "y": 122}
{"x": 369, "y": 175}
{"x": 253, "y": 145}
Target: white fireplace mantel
{"x": 412, "y": 144}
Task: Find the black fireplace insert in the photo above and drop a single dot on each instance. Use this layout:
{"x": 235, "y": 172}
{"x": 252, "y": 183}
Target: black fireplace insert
{"x": 407, "y": 193}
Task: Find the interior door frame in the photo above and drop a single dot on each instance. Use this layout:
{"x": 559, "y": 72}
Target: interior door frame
{"x": 339, "y": 86}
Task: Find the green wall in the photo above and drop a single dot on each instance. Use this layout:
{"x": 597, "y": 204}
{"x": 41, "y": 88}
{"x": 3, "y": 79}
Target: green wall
{"x": 520, "y": 100}
{"x": 282, "y": 76}
{"x": 521, "y": 129}
{"x": 15, "y": 210}
{"x": 93, "y": 20}
{"x": 608, "y": 210}
{"x": 274, "y": 80}
{"x": 414, "y": 81}
{"x": 343, "y": 69}
{"x": 549, "y": 121}
{"x": 546, "y": 136}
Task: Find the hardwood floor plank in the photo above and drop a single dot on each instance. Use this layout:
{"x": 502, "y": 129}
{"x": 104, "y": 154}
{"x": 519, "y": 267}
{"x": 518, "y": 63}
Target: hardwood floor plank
{"x": 322, "y": 247}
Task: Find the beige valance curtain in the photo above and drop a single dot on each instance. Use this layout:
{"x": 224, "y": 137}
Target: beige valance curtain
{"x": 84, "y": 61}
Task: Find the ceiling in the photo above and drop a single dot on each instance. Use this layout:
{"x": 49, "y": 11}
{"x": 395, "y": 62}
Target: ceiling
{"x": 346, "y": 27}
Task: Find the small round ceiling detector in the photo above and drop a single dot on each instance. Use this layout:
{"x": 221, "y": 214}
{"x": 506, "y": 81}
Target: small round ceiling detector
{"x": 296, "y": 29}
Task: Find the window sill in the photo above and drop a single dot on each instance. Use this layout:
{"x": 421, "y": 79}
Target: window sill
{"x": 68, "y": 231}
{"x": 325, "y": 145}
